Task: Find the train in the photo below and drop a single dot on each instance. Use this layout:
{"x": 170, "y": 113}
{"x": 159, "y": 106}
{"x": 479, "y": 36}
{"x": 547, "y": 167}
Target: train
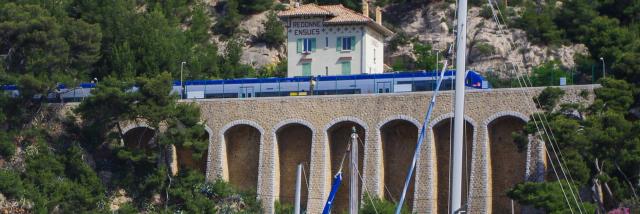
{"x": 395, "y": 82}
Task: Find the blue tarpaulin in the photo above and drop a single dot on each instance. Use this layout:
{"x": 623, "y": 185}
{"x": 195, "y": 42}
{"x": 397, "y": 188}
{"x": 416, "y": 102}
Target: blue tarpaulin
{"x": 337, "y": 179}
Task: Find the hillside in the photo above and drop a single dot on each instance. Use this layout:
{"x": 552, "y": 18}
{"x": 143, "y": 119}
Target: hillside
{"x": 432, "y": 24}
{"x": 90, "y": 161}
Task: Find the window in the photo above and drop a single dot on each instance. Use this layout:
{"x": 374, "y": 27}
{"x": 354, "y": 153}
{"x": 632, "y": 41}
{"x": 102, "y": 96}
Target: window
{"x": 346, "y": 67}
{"x": 306, "y": 69}
{"x": 346, "y": 43}
{"x": 306, "y": 45}
{"x": 326, "y": 42}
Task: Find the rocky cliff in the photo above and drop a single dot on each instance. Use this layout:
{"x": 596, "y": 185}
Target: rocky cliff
{"x": 489, "y": 48}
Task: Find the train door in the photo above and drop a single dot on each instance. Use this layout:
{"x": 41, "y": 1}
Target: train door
{"x": 246, "y": 92}
{"x": 383, "y": 87}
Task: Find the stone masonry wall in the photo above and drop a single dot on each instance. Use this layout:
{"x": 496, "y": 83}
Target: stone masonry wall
{"x": 371, "y": 111}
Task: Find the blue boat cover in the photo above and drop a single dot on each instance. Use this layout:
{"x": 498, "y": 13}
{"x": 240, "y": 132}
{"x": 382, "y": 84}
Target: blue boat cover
{"x": 337, "y": 179}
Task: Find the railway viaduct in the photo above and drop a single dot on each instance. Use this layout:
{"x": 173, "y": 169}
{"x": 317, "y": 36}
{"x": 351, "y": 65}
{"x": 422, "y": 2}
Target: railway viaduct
{"x": 256, "y": 143}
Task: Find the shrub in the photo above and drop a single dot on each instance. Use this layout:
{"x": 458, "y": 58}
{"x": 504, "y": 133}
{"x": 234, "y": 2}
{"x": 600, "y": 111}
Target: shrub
{"x": 371, "y": 205}
{"x": 549, "y": 98}
{"x": 485, "y": 49}
{"x": 486, "y": 12}
{"x": 255, "y": 6}
{"x": 7, "y": 147}
{"x": 274, "y": 32}
{"x": 228, "y": 23}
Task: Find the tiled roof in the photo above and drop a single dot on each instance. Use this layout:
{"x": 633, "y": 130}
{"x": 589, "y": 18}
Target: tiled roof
{"x": 344, "y": 15}
{"x": 305, "y": 10}
{"x": 336, "y": 15}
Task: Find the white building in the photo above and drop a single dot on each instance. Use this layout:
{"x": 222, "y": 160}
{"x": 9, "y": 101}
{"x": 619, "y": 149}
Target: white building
{"x": 333, "y": 40}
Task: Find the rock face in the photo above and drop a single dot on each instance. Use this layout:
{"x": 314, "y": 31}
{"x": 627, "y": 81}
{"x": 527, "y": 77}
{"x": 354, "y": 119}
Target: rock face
{"x": 119, "y": 198}
{"x": 489, "y": 46}
{"x": 254, "y": 53}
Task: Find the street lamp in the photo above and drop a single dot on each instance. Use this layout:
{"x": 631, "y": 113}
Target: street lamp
{"x": 181, "y": 84}
{"x": 603, "y": 72}
{"x": 437, "y": 53}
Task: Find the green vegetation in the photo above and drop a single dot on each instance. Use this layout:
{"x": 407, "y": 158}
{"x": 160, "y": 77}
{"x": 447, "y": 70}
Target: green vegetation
{"x": 229, "y": 22}
{"x": 274, "y": 32}
{"x": 608, "y": 28}
{"x": 371, "y": 205}
{"x": 599, "y": 143}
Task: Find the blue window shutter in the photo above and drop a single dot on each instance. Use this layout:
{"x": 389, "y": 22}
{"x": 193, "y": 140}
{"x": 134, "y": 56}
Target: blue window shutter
{"x": 299, "y": 46}
{"x": 313, "y": 45}
{"x": 339, "y": 44}
{"x": 353, "y": 43}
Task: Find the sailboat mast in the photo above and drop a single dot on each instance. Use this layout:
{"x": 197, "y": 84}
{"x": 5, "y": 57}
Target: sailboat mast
{"x": 458, "y": 131}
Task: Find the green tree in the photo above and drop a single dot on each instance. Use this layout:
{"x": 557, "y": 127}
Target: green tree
{"x": 231, "y": 66}
{"x": 274, "y": 32}
{"x": 228, "y": 23}
{"x": 537, "y": 21}
{"x": 33, "y": 42}
{"x": 598, "y": 149}
{"x": 198, "y": 32}
{"x": 109, "y": 105}
{"x": 84, "y": 45}
{"x": 254, "y": 6}
{"x": 549, "y": 197}
{"x": 548, "y": 74}
{"x": 425, "y": 57}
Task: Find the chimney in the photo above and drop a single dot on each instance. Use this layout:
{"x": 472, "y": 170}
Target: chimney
{"x": 378, "y": 15}
{"x": 365, "y": 8}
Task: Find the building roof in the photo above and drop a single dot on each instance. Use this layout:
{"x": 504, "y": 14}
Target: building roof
{"x": 336, "y": 15}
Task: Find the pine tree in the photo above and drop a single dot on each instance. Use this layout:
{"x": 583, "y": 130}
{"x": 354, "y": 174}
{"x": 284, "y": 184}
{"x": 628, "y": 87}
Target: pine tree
{"x": 230, "y": 20}
{"x": 274, "y": 32}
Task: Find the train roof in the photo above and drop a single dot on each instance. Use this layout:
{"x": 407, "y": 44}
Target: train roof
{"x": 472, "y": 74}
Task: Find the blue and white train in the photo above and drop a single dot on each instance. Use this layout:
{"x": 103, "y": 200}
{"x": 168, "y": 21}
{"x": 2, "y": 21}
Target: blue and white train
{"x": 324, "y": 85}
{"x": 295, "y": 86}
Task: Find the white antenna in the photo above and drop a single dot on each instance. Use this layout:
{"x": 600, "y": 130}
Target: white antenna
{"x": 458, "y": 131}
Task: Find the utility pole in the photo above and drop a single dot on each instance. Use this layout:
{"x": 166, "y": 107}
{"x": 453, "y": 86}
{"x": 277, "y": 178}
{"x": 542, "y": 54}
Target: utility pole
{"x": 437, "y": 53}
{"x": 298, "y": 186}
{"x": 353, "y": 171}
{"x": 604, "y": 74}
{"x": 461, "y": 44}
{"x": 181, "y": 84}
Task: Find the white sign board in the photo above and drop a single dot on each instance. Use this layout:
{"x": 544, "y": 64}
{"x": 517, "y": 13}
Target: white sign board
{"x": 563, "y": 81}
{"x": 402, "y": 88}
{"x": 195, "y": 94}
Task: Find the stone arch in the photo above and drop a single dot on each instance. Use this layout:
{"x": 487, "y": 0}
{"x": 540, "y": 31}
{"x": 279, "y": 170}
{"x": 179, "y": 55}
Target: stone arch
{"x": 398, "y": 137}
{"x": 498, "y": 139}
{"x": 135, "y": 125}
{"x": 287, "y": 175}
{"x": 336, "y": 135}
{"x": 451, "y": 115}
{"x": 223, "y": 155}
{"x": 185, "y": 156}
{"x": 495, "y": 116}
{"x": 144, "y": 136}
{"x": 441, "y": 131}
